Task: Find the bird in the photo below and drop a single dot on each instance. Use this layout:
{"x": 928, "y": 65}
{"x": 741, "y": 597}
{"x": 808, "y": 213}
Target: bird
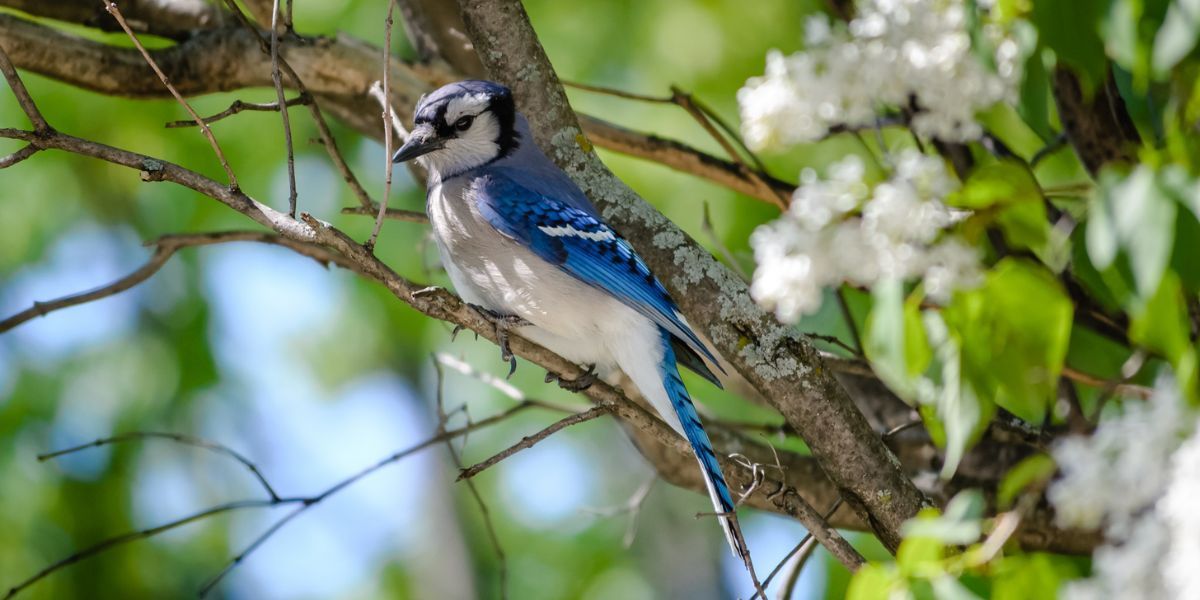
{"x": 523, "y": 244}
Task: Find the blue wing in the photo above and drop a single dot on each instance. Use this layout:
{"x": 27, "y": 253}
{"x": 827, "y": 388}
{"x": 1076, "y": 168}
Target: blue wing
{"x": 576, "y": 240}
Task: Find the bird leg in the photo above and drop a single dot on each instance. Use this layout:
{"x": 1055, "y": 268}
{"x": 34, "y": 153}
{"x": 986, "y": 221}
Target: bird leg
{"x": 583, "y": 382}
{"x": 502, "y": 324}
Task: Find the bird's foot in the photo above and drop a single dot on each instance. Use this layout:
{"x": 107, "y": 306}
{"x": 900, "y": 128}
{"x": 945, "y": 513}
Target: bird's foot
{"x": 583, "y": 382}
{"x": 502, "y": 324}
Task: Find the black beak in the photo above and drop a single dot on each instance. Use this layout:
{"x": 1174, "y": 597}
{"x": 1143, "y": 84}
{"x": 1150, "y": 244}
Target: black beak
{"x": 421, "y": 141}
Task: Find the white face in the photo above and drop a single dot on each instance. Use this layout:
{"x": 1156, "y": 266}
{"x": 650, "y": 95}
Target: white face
{"x": 475, "y": 142}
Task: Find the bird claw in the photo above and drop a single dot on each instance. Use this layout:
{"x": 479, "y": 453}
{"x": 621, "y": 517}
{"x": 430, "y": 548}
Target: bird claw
{"x": 502, "y": 324}
{"x": 583, "y": 382}
{"x": 426, "y": 290}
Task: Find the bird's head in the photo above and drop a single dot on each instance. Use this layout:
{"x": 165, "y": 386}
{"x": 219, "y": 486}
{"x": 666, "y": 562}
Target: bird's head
{"x": 460, "y": 126}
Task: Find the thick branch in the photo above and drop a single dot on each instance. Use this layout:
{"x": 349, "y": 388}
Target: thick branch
{"x": 175, "y": 19}
{"x": 1099, "y": 129}
{"x": 774, "y": 359}
{"x": 339, "y": 72}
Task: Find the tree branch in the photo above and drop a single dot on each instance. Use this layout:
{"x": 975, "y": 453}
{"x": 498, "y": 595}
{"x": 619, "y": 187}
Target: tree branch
{"x": 1099, "y": 129}
{"x": 164, "y": 248}
{"x": 174, "y": 19}
{"x": 338, "y": 72}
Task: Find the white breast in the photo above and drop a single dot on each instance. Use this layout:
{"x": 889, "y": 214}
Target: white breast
{"x": 490, "y": 269}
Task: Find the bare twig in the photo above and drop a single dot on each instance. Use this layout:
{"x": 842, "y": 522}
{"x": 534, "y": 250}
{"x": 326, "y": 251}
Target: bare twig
{"x": 833, "y": 339}
{"x": 165, "y": 247}
{"x": 314, "y": 109}
{"x": 631, "y": 507}
{"x": 398, "y": 214}
{"x": 483, "y": 509}
{"x": 387, "y": 126}
{"x": 529, "y": 440}
{"x": 850, "y": 323}
{"x": 705, "y": 116}
{"x": 277, "y": 79}
{"x": 795, "y": 566}
{"x": 1119, "y": 387}
{"x": 803, "y": 541}
{"x": 306, "y": 503}
{"x": 212, "y": 140}
{"x": 178, "y": 438}
{"x": 241, "y": 106}
{"x": 706, "y": 226}
{"x": 18, "y": 156}
{"x": 23, "y": 98}
{"x": 134, "y": 536}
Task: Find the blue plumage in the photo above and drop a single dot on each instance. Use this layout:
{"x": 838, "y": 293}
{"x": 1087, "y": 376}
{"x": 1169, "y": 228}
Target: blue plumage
{"x": 577, "y": 240}
{"x": 519, "y": 238}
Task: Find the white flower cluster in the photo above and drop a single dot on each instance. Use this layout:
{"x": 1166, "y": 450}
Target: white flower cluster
{"x": 893, "y": 53}
{"x": 840, "y": 230}
{"x": 1138, "y": 479}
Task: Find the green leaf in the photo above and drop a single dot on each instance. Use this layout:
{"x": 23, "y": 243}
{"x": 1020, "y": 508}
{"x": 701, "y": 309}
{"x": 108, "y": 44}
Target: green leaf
{"x": 1008, "y": 191}
{"x": 875, "y": 582}
{"x": 961, "y": 415}
{"x": 947, "y": 587}
{"x": 959, "y": 525}
{"x": 1014, "y": 332}
{"x": 1144, "y": 215}
{"x": 895, "y": 342}
{"x": 1160, "y": 322}
{"x": 1033, "y": 469}
{"x": 1031, "y": 576}
{"x": 916, "y": 553}
{"x": 1035, "y": 96}
{"x": 1177, "y": 36}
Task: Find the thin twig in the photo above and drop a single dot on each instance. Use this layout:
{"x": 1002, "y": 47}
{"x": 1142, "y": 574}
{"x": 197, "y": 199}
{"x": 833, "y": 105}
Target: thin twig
{"x": 850, "y": 323}
{"x": 23, "y": 98}
{"x": 385, "y": 100}
{"x": 212, "y": 140}
{"x": 686, "y": 102}
{"x": 706, "y": 226}
{"x": 309, "y": 502}
{"x": 277, "y": 79}
{"x": 241, "y": 106}
{"x": 18, "y": 156}
{"x": 705, "y": 116}
{"x": 178, "y": 438}
{"x": 1120, "y": 387}
{"x": 529, "y": 440}
{"x": 165, "y": 247}
{"x": 140, "y": 534}
{"x": 832, "y": 339}
{"x": 1044, "y": 152}
{"x": 795, "y": 567}
{"x": 398, "y": 214}
{"x": 454, "y": 456}
{"x": 632, "y": 507}
{"x": 314, "y": 109}
{"x": 804, "y": 540}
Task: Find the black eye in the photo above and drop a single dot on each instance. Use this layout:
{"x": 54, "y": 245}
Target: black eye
{"x": 464, "y": 123}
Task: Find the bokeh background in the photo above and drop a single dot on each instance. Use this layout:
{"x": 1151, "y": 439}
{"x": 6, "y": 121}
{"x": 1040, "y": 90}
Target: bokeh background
{"x": 314, "y": 373}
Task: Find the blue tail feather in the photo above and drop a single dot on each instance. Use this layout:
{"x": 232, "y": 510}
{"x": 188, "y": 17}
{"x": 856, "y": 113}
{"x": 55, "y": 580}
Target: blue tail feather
{"x": 693, "y": 430}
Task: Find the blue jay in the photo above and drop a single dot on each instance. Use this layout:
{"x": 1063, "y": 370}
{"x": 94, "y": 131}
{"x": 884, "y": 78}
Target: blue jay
{"x": 522, "y": 243}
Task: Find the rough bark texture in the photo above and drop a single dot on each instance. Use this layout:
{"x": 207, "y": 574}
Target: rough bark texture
{"x": 777, "y": 361}
{"x": 1098, "y": 128}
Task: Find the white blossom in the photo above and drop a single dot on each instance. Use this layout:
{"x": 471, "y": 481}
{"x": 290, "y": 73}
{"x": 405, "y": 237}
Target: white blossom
{"x": 839, "y": 230}
{"x": 1138, "y": 480}
{"x": 893, "y": 53}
